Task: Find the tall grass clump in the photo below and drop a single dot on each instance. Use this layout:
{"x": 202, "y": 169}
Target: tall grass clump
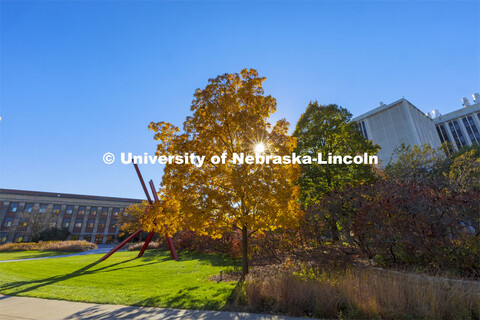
{"x": 68, "y": 246}
{"x": 364, "y": 294}
{"x": 139, "y": 245}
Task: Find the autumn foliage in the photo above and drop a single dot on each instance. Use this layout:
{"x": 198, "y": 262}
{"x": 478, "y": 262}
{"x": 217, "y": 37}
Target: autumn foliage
{"x": 419, "y": 214}
{"x": 420, "y": 211}
{"x": 229, "y": 116}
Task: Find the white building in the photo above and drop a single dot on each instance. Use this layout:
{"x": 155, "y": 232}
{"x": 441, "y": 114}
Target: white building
{"x": 399, "y": 122}
{"x": 460, "y": 127}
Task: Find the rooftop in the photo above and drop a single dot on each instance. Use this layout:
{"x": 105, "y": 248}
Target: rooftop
{"x": 65, "y": 195}
{"x": 458, "y": 113}
{"x": 383, "y": 107}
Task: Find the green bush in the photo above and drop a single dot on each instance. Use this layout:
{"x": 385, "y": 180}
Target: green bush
{"x": 52, "y": 234}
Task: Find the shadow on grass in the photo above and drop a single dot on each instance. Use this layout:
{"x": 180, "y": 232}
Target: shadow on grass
{"x": 151, "y": 257}
{"x": 185, "y": 298}
{"x": 185, "y": 255}
{"x": 86, "y": 270}
{"x": 145, "y": 309}
{"x": 37, "y": 255}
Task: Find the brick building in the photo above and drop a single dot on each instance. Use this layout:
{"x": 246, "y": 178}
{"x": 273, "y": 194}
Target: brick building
{"x": 91, "y": 218}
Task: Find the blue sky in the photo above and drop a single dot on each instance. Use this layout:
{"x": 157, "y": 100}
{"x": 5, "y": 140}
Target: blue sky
{"x": 79, "y": 79}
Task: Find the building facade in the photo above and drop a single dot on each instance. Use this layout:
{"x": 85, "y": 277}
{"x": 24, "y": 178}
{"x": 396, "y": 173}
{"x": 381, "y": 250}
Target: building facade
{"x": 390, "y": 125}
{"x": 460, "y": 127}
{"x": 90, "y": 218}
{"x": 400, "y": 122}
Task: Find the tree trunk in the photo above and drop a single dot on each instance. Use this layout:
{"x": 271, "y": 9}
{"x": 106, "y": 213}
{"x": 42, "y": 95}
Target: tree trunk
{"x": 334, "y": 230}
{"x": 244, "y": 251}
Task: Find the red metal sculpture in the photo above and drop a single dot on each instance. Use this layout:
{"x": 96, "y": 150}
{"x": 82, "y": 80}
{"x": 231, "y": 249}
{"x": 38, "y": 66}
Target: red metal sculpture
{"x": 150, "y": 235}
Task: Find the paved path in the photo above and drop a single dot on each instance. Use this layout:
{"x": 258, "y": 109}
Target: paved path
{"x": 100, "y": 249}
{"x": 21, "y": 308}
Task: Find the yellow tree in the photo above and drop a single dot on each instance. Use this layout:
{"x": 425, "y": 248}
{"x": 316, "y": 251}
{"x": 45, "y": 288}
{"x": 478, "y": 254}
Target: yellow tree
{"x": 159, "y": 217}
{"x": 230, "y": 116}
{"x": 130, "y": 220}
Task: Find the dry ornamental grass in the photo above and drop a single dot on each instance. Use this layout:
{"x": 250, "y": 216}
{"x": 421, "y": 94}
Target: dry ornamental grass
{"x": 366, "y": 294}
{"x": 70, "y": 246}
{"x": 139, "y": 245}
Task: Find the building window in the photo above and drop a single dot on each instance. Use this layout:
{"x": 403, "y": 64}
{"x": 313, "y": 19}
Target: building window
{"x": 99, "y": 238}
{"x": 101, "y": 223}
{"x": 87, "y": 237}
{"x": 81, "y": 210}
{"x": 363, "y": 129}
{"x": 75, "y": 237}
{"x": 43, "y": 208}
{"x": 28, "y": 208}
{"x": 93, "y": 211}
{"x": 66, "y": 222}
{"x": 56, "y": 208}
{"x": 442, "y": 133}
{"x": 471, "y": 129}
{"x": 116, "y": 211}
{"x": 78, "y": 223}
{"x": 18, "y": 238}
{"x": 22, "y": 224}
{"x": 69, "y": 210}
{"x": 13, "y": 207}
{"x": 8, "y": 222}
{"x": 110, "y": 238}
{"x": 90, "y": 223}
{"x": 3, "y": 237}
{"x": 457, "y": 133}
{"x": 104, "y": 211}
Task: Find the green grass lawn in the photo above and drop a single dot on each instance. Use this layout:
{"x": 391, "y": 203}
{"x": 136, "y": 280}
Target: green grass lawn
{"x": 153, "y": 280}
{"x": 30, "y": 254}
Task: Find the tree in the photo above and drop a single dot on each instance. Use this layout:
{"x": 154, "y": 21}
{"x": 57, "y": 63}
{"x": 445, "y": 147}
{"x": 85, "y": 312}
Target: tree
{"x": 329, "y": 129}
{"x": 229, "y": 116}
{"x": 38, "y": 221}
{"x": 419, "y": 165}
{"x": 51, "y": 234}
{"x": 130, "y": 221}
{"x": 423, "y": 165}
{"x": 464, "y": 174}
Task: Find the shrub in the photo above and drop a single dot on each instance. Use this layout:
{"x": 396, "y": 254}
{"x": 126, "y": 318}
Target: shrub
{"x": 228, "y": 244}
{"x": 52, "y": 234}
{"x": 68, "y": 246}
{"x": 407, "y": 225}
{"x": 274, "y": 246}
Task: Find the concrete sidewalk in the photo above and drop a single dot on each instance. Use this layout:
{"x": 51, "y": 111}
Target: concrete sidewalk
{"x": 21, "y": 308}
